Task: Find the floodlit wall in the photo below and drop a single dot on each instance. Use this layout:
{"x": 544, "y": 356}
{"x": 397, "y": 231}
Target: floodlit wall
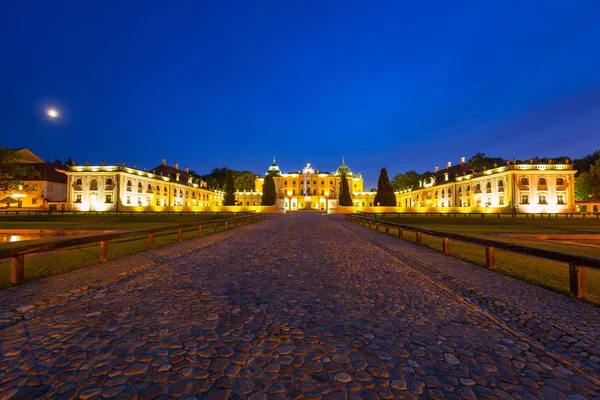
{"x": 257, "y": 209}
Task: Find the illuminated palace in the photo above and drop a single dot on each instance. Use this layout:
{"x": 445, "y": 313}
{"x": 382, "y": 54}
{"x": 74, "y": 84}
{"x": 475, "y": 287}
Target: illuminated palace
{"x": 523, "y": 188}
{"x": 304, "y": 189}
{"x": 115, "y": 187}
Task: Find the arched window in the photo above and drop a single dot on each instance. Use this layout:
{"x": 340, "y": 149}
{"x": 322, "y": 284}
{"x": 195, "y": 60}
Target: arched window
{"x": 139, "y": 187}
{"x": 560, "y": 181}
{"x": 542, "y": 198}
{"x": 488, "y": 187}
{"x": 468, "y": 189}
{"x": 314, "y": 182}
{"x": 524, "y": 181}
{"x": 109, "y": 181}
{"x": 542, "y": 182}
{"x": 322, "y": 182}
{"x": 459, "y": 190}
{"x": 478, "y": 188}
{"x": 285, "y": 183}
{"x": 443, "y": 193}
{"x": 165, "y": 190}
{"x": 449, "y": 193}
{"x": 129, "y": 186}
{"x": 93, "y": 184}
{"x": 149, "y": 188}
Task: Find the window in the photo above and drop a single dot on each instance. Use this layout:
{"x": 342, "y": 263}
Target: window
{"x": 293, "y": 182}
{"x": 501, "y": 200}
{"x": 560, "y": 198}
{"x": 560, "y": 181}
{"x": 542, "y": 198}
{"x": 331, "y": 182}
{"x": 542, "y": 182}
{"x": 158, "y": 201}
{"x": 478, "y": 188}
{"x": 524, "y": 181}
{"x": 488, "y": 187}
{"x": 108, "y": 198}
{"x": 460, "y": 190}
{"x": 322, "y": 182}
{"x": 77, "y": 197}
{"x": 34, "y": 187}
{"x": 468, "y": 190}
{"x": 314, "y": 182}
{"x": 443, "y": 193}
{"x": 322, "y": 192}
{"x": 129, "y": 186}
{"x": 139, "y": 187}
{"x": 436, "y": 194}
{"x": 79, "y": 181}
{"x": 294, "y": 192}
{"x": 149, "y": 189}
{"x": 165, "y": 191}
{"x": 501, "y": 186}
{"x": 34, "y": 200}
{"x": 128, "y": 199}
{"x": 524, "y": 198}
{"x": 109, "y": 181}
{"x": 285, "y": 183}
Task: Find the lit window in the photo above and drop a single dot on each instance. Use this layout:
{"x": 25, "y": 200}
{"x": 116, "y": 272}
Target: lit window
{"x": 542, "y": 182}
{"x": 108, "y": 198}
{"x": 322, "y": 182}
{"x": 79, "y": 181}
{"x": 77, "y": 197}
{"x": 524, "y": 198}
{"x": 560, "y": 181}
{"x": 542, "y": 198}
{"x": 560, "y": 198}
{"x": 34, "y": 200}
{"x": 109, "y": 181}
{"x": 524, "y": 181}
{"x": 34, "y": 187}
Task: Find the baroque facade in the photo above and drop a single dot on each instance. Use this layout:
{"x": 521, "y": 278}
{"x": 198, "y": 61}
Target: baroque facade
{"x": 522, "y": 188}
{"x": 304, "y": 189}
{"x": 112, "y": 187}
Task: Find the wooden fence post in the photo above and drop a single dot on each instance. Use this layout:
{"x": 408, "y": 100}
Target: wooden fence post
{"x": 377, "y": 226}
{"x": 180, "y": 234}
{"x": 400, "y": 232}
{"x": 446, "y": 245}
{"x": 200, "y": 230}
{"x": 17, "y": 269}
{"x": 216, "y": 226}
{"x": 151, "y": 240}
{"x": 226, "y": 225}
{"x": 577, "y": 281}
{"x": 419, "y": 238}
{"x": 490, "y": 257}
{"x": 387, "y": 229}
{"x": 103, "y": 251}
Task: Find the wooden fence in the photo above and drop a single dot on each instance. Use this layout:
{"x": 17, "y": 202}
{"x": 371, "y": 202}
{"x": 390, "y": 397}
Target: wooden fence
{"x": 577, "y": 263}
{"x": 17, "y": 254}
{"x": 476, "y": 214}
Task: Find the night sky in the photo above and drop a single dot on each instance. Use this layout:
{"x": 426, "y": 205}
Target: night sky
{"x": 405, "y": 85}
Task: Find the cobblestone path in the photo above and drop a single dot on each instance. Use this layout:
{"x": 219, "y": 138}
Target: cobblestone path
{"x": 298, "y": 306}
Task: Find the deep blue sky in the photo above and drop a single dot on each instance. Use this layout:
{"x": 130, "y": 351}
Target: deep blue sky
{"x": 405, "y": 85}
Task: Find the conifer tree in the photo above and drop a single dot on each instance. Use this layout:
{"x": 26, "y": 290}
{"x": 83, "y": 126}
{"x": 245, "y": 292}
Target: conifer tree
{"x": 229, "y": 199}
{"x": 345, "y": 198}
{"x": 269, "y": 192}
{"x": 385, "y": 194}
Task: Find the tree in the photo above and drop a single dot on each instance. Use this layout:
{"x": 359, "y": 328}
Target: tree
{"x": 407, "y": 180}
{"x": 385, "y": 194}
{"x": 13, "y": 173}
{"x": 244, "y": 180}
{"x": 480, "y": 162}
{"x": 345, "y": 198}
{"x": 269, "y": 192}
{"x": 229, "y": 199}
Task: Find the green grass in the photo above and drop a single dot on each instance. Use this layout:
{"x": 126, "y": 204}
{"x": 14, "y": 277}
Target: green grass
{"x": 61, "y": 261}
{"x": 551, "y": 274}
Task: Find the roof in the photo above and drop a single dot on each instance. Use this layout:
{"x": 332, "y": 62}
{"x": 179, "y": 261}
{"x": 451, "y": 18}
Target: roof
{"x": 171, "y": 172}
{"x": 454, "y": 171}
{"x": 28, "y": 156}
{"x": 48, "y": 172}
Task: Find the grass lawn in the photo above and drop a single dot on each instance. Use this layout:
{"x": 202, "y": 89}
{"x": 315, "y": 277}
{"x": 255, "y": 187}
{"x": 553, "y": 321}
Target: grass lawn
{"x": 548, "y": 273}
{"x": 61, "y": 261}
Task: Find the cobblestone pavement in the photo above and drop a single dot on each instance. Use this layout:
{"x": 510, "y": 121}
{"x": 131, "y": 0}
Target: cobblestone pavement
{"x": 299, "y": 306}
{"x": 33, "y": 296}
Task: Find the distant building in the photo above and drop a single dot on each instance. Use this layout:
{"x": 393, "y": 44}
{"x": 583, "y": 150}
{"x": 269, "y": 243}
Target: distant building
{"x": 523, "y": 188}
{"x": 118, "y": 187}
{"x": 47, "y": 190}
{"x": 304, "y": 189}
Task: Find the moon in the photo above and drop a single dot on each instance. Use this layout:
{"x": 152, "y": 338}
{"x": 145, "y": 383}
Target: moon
{"x": 52, "y": 113}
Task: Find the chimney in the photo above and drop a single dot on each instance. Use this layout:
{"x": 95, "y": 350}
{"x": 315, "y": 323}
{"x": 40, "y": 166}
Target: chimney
{"x": 448, "y": 164}
{"x": 462, "y": 160}
{"x": 436, "y": 169}
{"x": 176, "y": 165}
{"x": 187, "y": 170}
{"x": 164, "y": 161}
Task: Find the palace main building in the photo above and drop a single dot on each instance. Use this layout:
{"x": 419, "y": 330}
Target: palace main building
{"x": 304, "y": 189}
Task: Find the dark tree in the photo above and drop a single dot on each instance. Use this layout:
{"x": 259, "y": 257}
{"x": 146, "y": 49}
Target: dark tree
{"x": 269, "y": 192}
{"x": 407, "y": 180}
{"x": 229, "y": 199}
{"x": 13, "y": 173}
{"x": 385, "y": 194}
{"x": 345, "y": 198}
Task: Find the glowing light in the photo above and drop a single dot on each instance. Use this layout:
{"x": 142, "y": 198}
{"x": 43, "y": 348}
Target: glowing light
{"x": 52, "y": 113}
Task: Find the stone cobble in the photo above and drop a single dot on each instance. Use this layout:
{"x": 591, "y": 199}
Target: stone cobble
{"x": 566, "y": 325}
{"x": 20, "y": 302}
{"x": 295, "y": 307}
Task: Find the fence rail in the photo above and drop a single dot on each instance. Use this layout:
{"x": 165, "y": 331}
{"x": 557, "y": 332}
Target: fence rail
{"x": 480, "y": 214}
{"x": 145, "y": 212}
{"x": 577, "y": 263}
{"x": 17, "y": 254}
